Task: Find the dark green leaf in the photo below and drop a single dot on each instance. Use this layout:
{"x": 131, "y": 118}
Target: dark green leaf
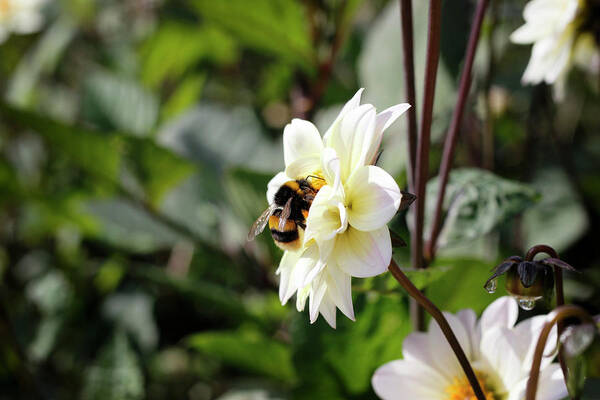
{"x": 275, "y": 26}
{"x": 250, "y": 351}
{"x": 476, "y": 202}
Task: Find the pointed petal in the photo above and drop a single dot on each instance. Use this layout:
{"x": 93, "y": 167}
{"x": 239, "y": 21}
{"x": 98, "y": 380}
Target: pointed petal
{"x": 317, "y": 292}
{"x": 286, "y": 268}
{"x": 363, "y": 254}
{"x": 383, "y": 121}
{"x": 339, "y": 289}
{"x": 354, "y": 138}
{"x": 353, "y": 103}
{"x": 501, "y": 313}
{"x": 372, "y": 198}
{"x": 328, "y": 311}
{"x": 274, "y": 185}
{"x": 300, "y": 139}
{"x": 330, "y": 165}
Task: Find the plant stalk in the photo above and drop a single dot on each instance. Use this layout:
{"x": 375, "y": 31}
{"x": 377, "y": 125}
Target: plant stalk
{"x": 406, "y": 20}
{"x": 560, "y": 297}
{"x": 442, "y": 322}
{"x": 452, "y": 136}
{"x": 424, "y": 141}
{"x": 556, "y": 316}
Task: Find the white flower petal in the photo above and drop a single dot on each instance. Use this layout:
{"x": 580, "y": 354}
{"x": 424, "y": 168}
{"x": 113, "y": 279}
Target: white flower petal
{"x": 444, "y": 358}
{"x": 383, "y": 121}
{"x": 354, "y": 138}
{"x": 501, "y": 313}
{"x": 326, "y": 219}
{"x": 363, "y": 254}
{"x": 372, "y": 198}
{"x": 328, "y": 311}
{"x": 416, "y": 347}
{"x": 330, "y": 165}
{"x": 274, "y": 184}
{"x": 551, "y": 384}
{"x": 301, "y": 297}
{"x": 300, "y": 139}
{"x": 317, "y": 292}
{"x": 307, "y": 267}
{"x": 286, "y": 268}
{"x": 353, "y": 103}
{"x": 339, "y": 289}
{"x": 527, "y": 333}
{"x": 498, "y": 351}
{"x": 401, "y": 380}
{"x": 302, "y": 167}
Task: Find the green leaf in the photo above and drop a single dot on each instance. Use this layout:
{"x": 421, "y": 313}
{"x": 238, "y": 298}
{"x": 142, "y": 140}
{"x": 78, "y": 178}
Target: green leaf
{"x": 219, "y": 137}
{"x": 278, "y": 27}
{"x": 339, "y": 363}
{"x": 463, "y": 288}
{"x": 177, "y": 47}
{"x": 559, "y": 219}
{"x": 187, "y": 93}
{"x": 115, "y": 374}
{"x": 109, "y": 157}
{"x": 422, "y": 278}
{"x": 112, "y": 102}
{"x": 476, "y": 202}
{"x": 247, "y": 350}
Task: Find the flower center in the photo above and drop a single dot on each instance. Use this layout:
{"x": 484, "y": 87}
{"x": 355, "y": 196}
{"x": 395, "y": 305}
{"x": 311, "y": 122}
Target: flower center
{"x": 460, "y": 388}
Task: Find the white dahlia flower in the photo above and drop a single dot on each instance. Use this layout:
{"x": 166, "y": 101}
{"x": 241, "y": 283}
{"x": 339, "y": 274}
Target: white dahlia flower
{"x": 346, "y": 233}
{"x": 20, "y": 16}
{"x": 558, "y": 30}
{"x": 500, "y": 353}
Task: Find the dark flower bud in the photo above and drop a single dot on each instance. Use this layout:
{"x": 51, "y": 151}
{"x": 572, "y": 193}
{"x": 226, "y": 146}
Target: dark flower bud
{"x": 528, "y": 280}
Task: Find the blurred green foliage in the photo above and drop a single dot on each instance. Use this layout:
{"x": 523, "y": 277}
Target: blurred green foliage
{"x": 136, "y": 141}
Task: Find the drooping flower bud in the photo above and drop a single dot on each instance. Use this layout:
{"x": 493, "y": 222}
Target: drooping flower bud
{"x": 527, "y": 280}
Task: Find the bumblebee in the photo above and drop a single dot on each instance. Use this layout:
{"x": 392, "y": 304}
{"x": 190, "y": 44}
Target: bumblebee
{"x": 287, "y": 215}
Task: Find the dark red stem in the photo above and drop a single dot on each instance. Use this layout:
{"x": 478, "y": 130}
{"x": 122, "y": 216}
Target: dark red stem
{"x": 442, "y": 322}
{"x": 409, "y": 87}
{"x": 452, "y": 136}
{"x": 555, "y": 317}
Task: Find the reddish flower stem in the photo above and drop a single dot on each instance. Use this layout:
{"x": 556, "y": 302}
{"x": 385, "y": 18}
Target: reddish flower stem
{"x": 442, "y": 322}
{"x": 409, "y": 87}
{"x": 422, "y": 165}
{"x": 556, "y": 316}
{"x": 452, "y": 136}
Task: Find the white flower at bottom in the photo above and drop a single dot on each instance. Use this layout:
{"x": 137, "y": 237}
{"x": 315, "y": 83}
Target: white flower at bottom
{"x": 499, "y": 352}
{"x": 20, "y": 16}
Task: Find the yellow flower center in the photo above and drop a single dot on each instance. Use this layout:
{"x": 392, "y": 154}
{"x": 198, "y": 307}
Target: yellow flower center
{"x": 460, "y": 388}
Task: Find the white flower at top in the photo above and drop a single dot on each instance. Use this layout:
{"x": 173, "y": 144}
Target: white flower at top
{"x": 20, "y": 16}
{"x": 346, "y": 233}
{"x": 500, "y": 353}
{"x": 557, "y": 30}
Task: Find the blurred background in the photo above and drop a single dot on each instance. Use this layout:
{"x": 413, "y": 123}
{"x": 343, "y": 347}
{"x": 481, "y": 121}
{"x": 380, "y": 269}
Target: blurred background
{"x": 136, "y": 141}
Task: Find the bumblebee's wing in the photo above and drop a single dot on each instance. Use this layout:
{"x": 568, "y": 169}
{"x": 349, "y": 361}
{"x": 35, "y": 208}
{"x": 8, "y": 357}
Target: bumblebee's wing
{"x": 259, "y": 225}
{"x": 285, "y": 214}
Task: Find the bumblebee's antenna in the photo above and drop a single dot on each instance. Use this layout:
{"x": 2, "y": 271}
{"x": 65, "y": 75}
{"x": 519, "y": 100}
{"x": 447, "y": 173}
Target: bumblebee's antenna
{"x": 314, "y": 176}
